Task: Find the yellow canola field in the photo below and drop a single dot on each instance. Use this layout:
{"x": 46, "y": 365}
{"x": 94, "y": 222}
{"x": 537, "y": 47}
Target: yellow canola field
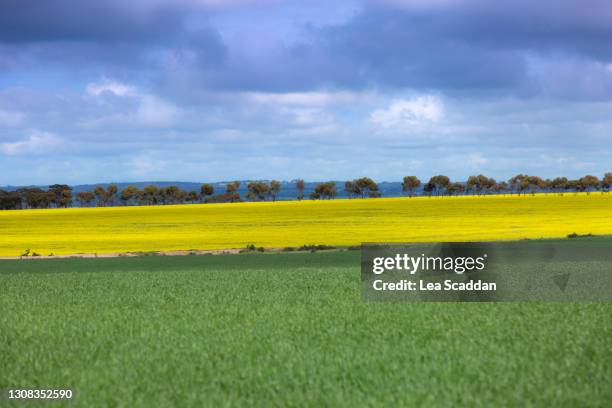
{"x": 294, "y": 223}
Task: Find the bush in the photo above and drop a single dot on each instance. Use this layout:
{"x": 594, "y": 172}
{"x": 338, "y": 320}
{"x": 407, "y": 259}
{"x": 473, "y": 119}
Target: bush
{"x": 574, "y": 235}
{"x": 314, "y": 248}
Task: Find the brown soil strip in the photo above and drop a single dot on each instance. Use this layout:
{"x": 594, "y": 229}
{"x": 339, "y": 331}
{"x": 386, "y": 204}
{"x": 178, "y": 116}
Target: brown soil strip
{"x": 231, "y": 251}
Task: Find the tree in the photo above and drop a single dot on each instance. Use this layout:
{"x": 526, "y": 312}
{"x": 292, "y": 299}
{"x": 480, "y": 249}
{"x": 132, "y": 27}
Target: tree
{"x": 574, "y": 185}
{"x": 455, "y": 188}
{"x": 519, "y": 183}
{"x": 535, "y": 183}
{"x": 559, "y": 184}
{"x": 588, "y": 183}
{"x": 206, "y": 190}
{"x": 231, "y": 191}
{"x": 100, "y": 194}
{"x": 85, "y": 198}
{"x": 324, "y": 190}
{"x": 36, "y": 198}
{"x": 350, "y": 188}
{"x": 410, "y": 184}
{"x": 366, "y": 185}
{"x": 275, "y": 187}
{"x": 130, "y": 194}
{"x": 500, "y": 187}
{"x": 429, "y": 188}
{"x": 362, "y": 187}
{"x": 105, "y": 197}
{"x": 9, "y": 200}
{"x": 480, "y": 184}
{"x": 151, "y": 195}
{"x": 606, "y": 182}
{"x": 111, "y": 193}
{"x": 62, "y": 195}
{"x": 439, "y": 184}
{"x": 257, "y": 190}
{"x": 192, "y": 196}
{"x": 173, "y": 195}
{"x": 299, "y": 186}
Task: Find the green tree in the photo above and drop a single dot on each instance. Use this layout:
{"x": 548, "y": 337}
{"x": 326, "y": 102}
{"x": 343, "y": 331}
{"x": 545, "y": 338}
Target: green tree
{"x": 257, "y": 190}
{"x": 111, "y": 192}
{"x": 480, "y": 184}
{"x": 130, "y": 195}
{"x": 519, "y": 183}
{"x": 455, "y": 188}
{"x": 362, "y": 187}
{"x": 606, "y": 182}
{"x": 173, "y": 195}
{"x": 350, "y": 188}
{"x": 62, "y": 195}
{"x": 275, "y": 187}
{"x": 299, "y": 186}
{"x": 439, "y": 183}
{"x": 206, "y": 190}
{"x": 588, "y": 183}
{"x": 9, "y": 200}
{"x": 559, "y": 184}
{"x": 231, "y": 191}
{"x": 100, "y": 193}
{"x": 192, "y": 197}
{"x": 410, "y": 184}
{"x": 324, "y": 190}
{"x": 85, "y": 198}
{"x": 151, "y": 195}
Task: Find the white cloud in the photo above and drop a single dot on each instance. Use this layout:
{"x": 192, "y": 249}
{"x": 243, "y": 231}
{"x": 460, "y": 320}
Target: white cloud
{"x": 10, "y": 118}
{"x": 402, "y": 112}
{"x": 312, "y": 99}
{"x": 149, "y": 111}
{"x": 146, "y": 166}
{"x": 477, "y": 160}
{"x": 156, "y": 112}
{"x": 110, "y": 86}
{"x": 36, "y": 143}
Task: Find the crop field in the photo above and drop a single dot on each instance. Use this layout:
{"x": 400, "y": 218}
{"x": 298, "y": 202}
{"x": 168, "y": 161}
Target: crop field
{"x": 294, "y": 223}
{"x": 286, "y": 329}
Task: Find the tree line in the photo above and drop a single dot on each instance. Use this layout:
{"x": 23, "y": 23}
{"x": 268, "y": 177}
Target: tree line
{"x": 61, "y": 195}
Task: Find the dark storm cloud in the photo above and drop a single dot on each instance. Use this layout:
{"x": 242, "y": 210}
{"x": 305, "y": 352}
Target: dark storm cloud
{"x": 175, "y": 89}
{"x": 468, "y": 46}
{"x": 110, "y": 35}
{"x": 449, "y": 45}
{"x": 25, "y": 21}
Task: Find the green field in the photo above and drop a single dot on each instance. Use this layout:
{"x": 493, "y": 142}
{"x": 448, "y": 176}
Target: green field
{"x": 286, "y": 329}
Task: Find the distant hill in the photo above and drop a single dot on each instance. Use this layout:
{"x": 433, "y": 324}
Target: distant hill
{"x": 288, "y": 191}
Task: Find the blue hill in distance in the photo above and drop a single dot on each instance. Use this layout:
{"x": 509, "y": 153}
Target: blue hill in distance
{"x": 287, "y": 192}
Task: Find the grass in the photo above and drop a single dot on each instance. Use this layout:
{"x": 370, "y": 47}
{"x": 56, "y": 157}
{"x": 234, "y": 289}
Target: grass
{"x": 294, "y": 224}
{"x": 284, "y": 329}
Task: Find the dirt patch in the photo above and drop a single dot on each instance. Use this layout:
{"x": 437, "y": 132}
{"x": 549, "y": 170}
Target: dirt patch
{"x": 230, "y": 251}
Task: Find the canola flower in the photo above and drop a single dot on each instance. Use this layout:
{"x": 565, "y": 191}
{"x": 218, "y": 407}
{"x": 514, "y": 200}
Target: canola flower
{"x": 295, "y": 223}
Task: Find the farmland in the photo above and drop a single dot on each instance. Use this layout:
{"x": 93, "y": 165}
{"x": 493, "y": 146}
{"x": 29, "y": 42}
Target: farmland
{"x": 286, "y": 329}
{"x": 295, "y": 223}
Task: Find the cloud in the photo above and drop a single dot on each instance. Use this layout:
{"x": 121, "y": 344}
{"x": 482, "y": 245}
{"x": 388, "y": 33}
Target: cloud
{"x": 134, "y": 107}
{"x": 113, "y": 87}
{"x": 35, "y": 143}
{"x": 314, "y": 89}
{"x": 11, "y": 118}
{"x": 313, "y": 99}
{"x": 402, "y": 112}
{"x": 156, "y": 112}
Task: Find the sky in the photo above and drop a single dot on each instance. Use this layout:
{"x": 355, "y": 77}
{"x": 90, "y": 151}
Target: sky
{"x": 213, "y": 90}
